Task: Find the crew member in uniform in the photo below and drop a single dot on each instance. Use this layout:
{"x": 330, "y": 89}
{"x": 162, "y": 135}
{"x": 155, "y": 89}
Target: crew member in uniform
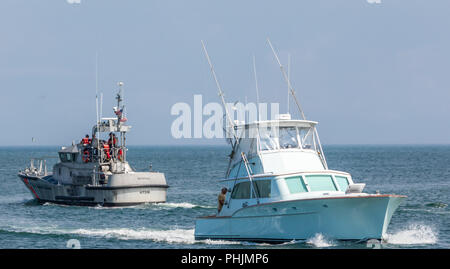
{"x": 85, "y": 141}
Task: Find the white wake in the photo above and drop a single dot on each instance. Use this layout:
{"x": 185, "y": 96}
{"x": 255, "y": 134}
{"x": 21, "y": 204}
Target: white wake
{"x": 414, "y": 234}
{"x": 320, "y": 241}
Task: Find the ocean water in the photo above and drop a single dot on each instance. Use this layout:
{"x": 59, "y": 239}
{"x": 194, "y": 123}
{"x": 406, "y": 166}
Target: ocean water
{"x": 420, "y": 172}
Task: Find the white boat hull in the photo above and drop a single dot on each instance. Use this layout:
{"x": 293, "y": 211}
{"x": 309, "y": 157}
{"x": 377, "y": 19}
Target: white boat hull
{"x": 343, "y": 218}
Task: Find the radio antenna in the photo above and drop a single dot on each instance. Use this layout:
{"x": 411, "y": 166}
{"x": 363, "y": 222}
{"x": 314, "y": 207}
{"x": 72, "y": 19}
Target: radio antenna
{"x": 96, "y": 86}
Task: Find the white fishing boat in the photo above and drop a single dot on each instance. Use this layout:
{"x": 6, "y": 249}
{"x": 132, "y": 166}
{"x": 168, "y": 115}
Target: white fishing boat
{"x": 94, "y": 172}
{"x": 279, "y": 187}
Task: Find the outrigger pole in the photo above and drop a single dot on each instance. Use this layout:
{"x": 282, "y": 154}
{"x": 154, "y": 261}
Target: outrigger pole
{"x": 221, "y": 94}
{"x": 287, "y": 80}
{"x": 256, "y": 86}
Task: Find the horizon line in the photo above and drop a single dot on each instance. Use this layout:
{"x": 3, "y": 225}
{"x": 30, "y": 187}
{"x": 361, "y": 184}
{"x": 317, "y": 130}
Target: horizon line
{"x": 225, "y": 145}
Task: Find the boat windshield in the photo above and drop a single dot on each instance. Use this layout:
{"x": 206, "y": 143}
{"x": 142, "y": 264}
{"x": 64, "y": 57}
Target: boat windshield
{"x": 273, "y": 138}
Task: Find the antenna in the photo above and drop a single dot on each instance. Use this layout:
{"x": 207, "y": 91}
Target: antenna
{"x": 287, "y": 80}
{"x": 101, "y": 105}
{"x": 220, "y": 92}
{"x": 256, "y": 86}
{"x": 97, "y": 133}
{"x": 119, "y": 102}
{"x": 96, "y": 86}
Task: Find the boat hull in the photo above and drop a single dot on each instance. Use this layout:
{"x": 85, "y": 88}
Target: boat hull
{"x": 342, "y": 218}
{"x": 86, "y": 195}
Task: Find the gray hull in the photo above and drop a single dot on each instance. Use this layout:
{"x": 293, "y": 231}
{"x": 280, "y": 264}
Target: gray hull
{"x": 45, "y": 189}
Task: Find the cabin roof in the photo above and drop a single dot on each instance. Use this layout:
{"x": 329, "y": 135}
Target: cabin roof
{"x": 283, "y": 123}
{"x": 70, "y": 149}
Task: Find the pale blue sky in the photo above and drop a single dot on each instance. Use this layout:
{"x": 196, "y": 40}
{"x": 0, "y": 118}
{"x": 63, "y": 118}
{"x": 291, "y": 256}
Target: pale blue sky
{"x": 369, "y": 73}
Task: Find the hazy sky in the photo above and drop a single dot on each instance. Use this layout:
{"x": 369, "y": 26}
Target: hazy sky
{"x": 369, "y": 73}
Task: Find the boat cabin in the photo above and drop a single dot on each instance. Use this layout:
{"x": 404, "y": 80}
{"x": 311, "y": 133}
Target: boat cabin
{"x": 277, "y": 147}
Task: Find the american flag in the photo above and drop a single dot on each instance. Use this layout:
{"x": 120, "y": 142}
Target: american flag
{"x": 119, "y": 112}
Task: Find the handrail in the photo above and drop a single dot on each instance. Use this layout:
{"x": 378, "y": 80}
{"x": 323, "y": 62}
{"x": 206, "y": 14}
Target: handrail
{"x": 249, "y": 172}
{"x": 287, "y": 174}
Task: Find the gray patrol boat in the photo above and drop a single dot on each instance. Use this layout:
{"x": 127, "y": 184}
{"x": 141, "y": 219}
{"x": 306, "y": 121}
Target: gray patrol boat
{"x": 95, "y": 172}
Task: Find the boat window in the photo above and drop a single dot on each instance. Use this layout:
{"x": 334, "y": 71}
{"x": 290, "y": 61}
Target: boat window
{"x": 274, "y": 192}
{"x": 321, "y": 183}
{"x": 262, "y": 188}
{"x": 63, "y": 157}
{"x": 342, "y": 182}
{"x": 307, "y": 138}
{"x": 288, "y": 137}
{"x": 241, "y": 191}
{"x": 268, "y": 138}
{"x": 69, "y": 157}
{"x": 295, "y": 185}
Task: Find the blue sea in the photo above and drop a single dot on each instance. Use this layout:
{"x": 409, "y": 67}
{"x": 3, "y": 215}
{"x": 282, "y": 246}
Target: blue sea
{"x": 420, "y": 172}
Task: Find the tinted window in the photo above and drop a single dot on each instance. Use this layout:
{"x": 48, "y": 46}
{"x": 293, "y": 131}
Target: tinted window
{"x": 321, "y": 183}
{"x": 342, "y": 182}
{"x": 295, "y": 185}
{"x": 63, "y": 157}
{"x": 241, "y": 191}
{"x": 262, "y": 188}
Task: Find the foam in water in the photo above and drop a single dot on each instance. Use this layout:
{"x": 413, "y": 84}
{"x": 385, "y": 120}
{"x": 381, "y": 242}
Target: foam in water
{"x": 157, "y": 206}
{"x": 415, "y": 234}
{"x": 175, "y": 236}
{"x": 181, "y": 205}
{"x": 319, "y": 241}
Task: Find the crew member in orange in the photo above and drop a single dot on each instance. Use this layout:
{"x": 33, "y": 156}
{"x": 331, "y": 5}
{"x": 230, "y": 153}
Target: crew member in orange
{"x": 107, "y": 149}
{"x": 112, "y": 142}
{"x": 86, "y": 141}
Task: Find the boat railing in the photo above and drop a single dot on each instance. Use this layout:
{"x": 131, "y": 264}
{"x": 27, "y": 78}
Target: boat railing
{"x": 249, "y": 173}
{"x": 101, "y": 155}
{"x": 271, "y": 174}
{"x": 38, "y": 167}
